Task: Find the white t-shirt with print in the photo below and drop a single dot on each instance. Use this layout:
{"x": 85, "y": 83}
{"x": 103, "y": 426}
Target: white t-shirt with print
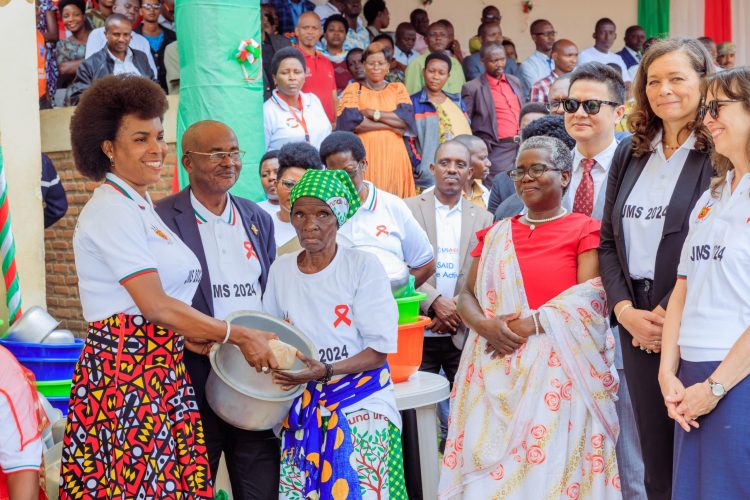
{"x": 593, "y": 55}
{"x": 120, "y": 236}
{"x": 448, "y": 258}
{"x": 385, "y": 221}
{"x": 715, "y": 261}
{"x": 646, "y": 207}
{"x": 233, "y": 266}
{"x": 343, "y": 309}
{"x": 282, "y": 126}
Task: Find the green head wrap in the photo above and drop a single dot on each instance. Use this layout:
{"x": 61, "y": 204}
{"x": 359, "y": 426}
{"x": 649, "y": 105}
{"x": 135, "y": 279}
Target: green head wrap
{"x": 334, "y": 187}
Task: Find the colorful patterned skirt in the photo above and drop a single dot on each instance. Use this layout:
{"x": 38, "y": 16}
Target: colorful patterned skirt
{"x": 133, "y": 429}
{"x": 377, "y": 458}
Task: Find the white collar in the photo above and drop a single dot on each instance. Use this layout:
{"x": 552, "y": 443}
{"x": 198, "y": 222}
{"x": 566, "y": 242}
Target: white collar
{"x": 125, "y": 189}
{"x": 372, "y": 197}
{"x": 203, "y": 214}
{"x": 282, "y": 103}
{"x": 440, "y": 206}
{"x": 632, "y": 52}
{"x": 128, "y": 56}
{"x": 656, "y": 144}
{"x": 603, "y": 158}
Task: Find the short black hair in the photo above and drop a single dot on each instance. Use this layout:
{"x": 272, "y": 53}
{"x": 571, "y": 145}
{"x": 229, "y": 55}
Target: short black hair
{"x": 467, "y": 140}
{"x": 270, "y": 155}
{"x": 598, "y": 72}
{"x": 550, "y": 125}
{"x": 354, "y": 51}
{"x": 342, "y": 142}
{"x": 99, "y": 114}
{"x": 336, "y": 18}
{"x": 300, "y": 155}
{"x": 286, "y": 53}
{"x": 78, "y": 3}
{"x": 601, "y": 22}
{"x": 488, "y": 8}
{"x": 372, "y": 8}
{"x": 485, "y": 26}
{"x": 377, "y": 48}
{"x": 632, "y": 29}
{"x": 489, "y": 47}
{"x": 532, "y": 107}
{"x": 440, "y": 56}
{"x": 383, "y": 36}
{"x": 508, "y": 41}
{"x": 413, "y": 15}
{"x": 536, "y": 24}
{"x": 114, "y": 18}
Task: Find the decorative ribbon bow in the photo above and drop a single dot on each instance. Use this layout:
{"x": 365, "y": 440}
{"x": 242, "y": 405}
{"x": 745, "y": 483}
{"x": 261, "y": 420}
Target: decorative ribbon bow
{"x": 249, "y": 51}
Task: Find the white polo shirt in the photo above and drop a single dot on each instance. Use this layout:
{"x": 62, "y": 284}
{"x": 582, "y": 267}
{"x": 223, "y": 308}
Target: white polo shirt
{"x": 715, "y": 261}
{"x": 448, "y": 258}
{"x": 598, "y": 173}
{"x": 233, "y": 266}
{"x": 591, "y": 54}
{"x": 343, "y": 309}
{"x": 97, "y": 40}
{"x": 385, "y": 221}
{"x": 125, "y": 67}
{"x": 119, "y": 236}
{"x": 646, "y": 207}
{"x": 282, "y": 125}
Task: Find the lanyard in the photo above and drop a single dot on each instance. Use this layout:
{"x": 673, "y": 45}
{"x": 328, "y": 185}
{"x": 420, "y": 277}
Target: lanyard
{"x": 299, "y": 118}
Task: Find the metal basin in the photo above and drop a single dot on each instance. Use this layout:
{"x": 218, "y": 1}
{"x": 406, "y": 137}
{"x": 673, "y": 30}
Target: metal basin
{"x": 240, "y": 395}
{"x": 33, "y": 326}
{"x": 60, "y": 337}
{"x": 396, "y": 270}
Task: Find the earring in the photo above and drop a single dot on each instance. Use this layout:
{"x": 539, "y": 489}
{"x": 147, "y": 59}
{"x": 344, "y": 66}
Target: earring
{"x": 111, "y": 161}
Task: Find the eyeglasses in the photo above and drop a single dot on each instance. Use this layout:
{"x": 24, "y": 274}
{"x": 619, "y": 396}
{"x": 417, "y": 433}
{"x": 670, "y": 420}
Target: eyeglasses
{"x": 546, "y": 33}
{"x": 534, "y": 172}
{"x": 713, "y": 108}
{"x": 553, "y": 105}
{"x": 590, "y": 106}
{"x": 288, "y": 184}
{"x": 376, "y": 64}
{"x": 219, "y": 156}
{"x": 151, "y": 6}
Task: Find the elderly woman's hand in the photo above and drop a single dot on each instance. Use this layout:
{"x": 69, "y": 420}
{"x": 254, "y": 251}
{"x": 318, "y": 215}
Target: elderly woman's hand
{"x": 315, "y": 370}
{"x": 500, "y": 338}
{"x": 698, "y": 401}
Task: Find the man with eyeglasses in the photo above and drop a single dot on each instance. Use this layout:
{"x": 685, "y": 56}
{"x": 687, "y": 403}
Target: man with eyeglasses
{"x": 130, "y": 9}
{"x": 593, "y": 107}
{"x": 557, "y": 92}
{"x": 233, "y": 240}
{"x": 539, "y": 64}
{"x": 438, "y": 40}
{"x": 605, "y": 34}
{"x": 157, "y": 36}
{"x": 565, "y": 58}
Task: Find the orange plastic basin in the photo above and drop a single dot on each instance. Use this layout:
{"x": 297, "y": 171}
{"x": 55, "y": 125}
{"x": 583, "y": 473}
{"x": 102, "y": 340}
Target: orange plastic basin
{"x": 407, "y": 360}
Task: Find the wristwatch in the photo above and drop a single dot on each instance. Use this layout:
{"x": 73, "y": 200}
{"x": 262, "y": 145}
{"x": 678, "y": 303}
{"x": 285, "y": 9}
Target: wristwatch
{"x": 716, "y": 388}
{"x": 376, "y": 115}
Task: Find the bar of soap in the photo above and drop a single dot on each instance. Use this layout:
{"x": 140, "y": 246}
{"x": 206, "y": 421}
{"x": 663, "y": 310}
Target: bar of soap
{"x": 284, "y": 353}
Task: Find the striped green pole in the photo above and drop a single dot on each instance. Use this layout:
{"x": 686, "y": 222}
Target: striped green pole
{"x": 8, "y": 252}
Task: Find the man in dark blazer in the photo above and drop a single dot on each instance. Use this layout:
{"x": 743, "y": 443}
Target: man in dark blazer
{"x": 233, "y": 240}
{"x": 451, "y": 223}
{"x": 493, "y": 104}
{"x": 635, "y": 37}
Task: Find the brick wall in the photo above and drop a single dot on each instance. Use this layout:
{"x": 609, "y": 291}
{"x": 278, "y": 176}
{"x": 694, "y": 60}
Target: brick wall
{"x": 62, "y": 283}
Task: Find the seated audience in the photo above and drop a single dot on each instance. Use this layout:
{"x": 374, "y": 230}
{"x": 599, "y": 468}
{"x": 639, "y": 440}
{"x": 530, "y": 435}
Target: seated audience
{"x": 565, "y": 57}
{"x": 129, "y": 9}
{"x": 381, "y": 114}
{"x": 291, "y": 115}
{"x": 157, "y": 36}
{"x": 439, "y": 117}
{"x": 71, "y": 51}
{"x": 115, "y": 58}
{"x": 438, "y": 40}
{"x": 334, "y": 32}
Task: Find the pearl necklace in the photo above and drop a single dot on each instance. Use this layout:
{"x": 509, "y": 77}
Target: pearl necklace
{"x": 534, "y": 222}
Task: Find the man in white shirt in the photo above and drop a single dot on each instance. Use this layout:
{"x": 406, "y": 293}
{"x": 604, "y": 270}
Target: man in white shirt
{"x": 592, "y": 156}
{"x": 331, "y": 7}
{"x": 406, "y": 37}
{"x": 233, "y": 240}
{"x": 130, "y": 9}
{"x": 539, "y": 64}
{"x": 605, "y": 34}
{"x": 451, "y": 223}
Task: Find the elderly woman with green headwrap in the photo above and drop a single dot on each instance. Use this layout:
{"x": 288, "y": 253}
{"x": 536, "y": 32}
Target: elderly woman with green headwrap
{"x": 342, "y": 437}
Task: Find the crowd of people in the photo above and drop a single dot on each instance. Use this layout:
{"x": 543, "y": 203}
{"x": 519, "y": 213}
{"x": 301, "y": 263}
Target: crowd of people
{"x": 573, "y": 218}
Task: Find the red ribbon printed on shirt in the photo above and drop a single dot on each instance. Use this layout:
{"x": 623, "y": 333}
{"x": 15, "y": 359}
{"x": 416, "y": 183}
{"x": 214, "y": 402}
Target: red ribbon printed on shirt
{"x": 250, "y": 252}
{"x": 341, "y": 312}
{"x": 381, "y": 230}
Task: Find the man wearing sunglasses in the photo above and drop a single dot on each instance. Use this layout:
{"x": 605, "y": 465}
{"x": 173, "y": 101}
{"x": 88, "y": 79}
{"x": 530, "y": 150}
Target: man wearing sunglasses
{"x": 233, "y": 240}
{"x": 592, "y": 109}
{"x": 157, "y": 36}
{"x": 539, "y": 64}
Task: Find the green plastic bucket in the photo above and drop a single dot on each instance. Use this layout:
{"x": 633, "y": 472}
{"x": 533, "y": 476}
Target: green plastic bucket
{"x": 408, "y": 308}
{"x": 54, "y": 388}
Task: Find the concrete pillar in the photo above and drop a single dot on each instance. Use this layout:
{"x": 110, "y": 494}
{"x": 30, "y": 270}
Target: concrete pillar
{"x": 21, "y": 143}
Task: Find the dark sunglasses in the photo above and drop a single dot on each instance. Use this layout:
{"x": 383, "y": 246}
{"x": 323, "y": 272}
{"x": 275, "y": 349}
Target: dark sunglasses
{"x": 712, "y": 108}
{"x": 534, "y": 172}
{"x": 590, "y": 106}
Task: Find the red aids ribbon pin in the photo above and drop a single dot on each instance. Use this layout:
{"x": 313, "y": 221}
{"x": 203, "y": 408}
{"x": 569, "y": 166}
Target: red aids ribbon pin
{"x": 341, "y": 312}
{"x": 250, "y": 253}
{"x": 381, "y": 230}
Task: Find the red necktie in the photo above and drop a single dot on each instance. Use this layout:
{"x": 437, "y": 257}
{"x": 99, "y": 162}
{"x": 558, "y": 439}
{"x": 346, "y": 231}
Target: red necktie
{"x": 583, "y": 203}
